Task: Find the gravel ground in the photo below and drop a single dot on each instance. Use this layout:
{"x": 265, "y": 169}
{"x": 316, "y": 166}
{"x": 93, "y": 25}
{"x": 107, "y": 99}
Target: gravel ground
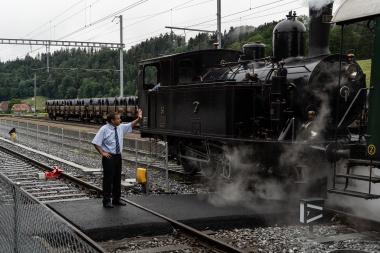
{"x": 270, "y": 239}
{"x": 295, "y": 239}
{"x": 287, "y": 239}
{"x": 158, "y": 184}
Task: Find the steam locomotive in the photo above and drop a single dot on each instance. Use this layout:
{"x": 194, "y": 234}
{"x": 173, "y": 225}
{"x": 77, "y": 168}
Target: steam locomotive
{"x": 225, "y": 112}
{"x": 92, "y": 109}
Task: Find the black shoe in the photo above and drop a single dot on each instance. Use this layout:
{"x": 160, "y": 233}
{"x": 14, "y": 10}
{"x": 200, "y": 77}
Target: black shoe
{"x": 108, "y": 205}
{"x": 118, "y": 203}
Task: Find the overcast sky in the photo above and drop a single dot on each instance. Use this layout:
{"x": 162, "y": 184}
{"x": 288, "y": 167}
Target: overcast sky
{"x": 93, "y": 20}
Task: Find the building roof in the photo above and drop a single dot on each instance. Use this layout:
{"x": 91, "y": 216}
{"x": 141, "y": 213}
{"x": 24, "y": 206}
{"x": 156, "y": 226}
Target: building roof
{"x": 351, "y": 11}
{"x": 20, "y": 108}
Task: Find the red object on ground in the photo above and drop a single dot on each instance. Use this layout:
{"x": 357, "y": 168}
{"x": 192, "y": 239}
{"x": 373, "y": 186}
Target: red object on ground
{"x": 55, "y": 173}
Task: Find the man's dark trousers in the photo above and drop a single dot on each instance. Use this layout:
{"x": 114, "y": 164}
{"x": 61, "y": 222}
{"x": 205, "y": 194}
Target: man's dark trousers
{"x": 111, "y": 178}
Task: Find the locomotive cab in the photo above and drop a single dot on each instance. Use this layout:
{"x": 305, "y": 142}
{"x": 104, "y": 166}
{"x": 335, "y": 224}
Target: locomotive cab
{"x": 185, "y": 102}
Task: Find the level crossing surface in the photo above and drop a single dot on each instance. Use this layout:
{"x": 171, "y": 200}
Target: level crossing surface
{"x": 194, "y": 210}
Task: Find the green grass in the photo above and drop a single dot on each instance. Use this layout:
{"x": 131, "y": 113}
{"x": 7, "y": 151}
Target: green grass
{"x": 40, "y": 102}
{"x": 366, "y": 66}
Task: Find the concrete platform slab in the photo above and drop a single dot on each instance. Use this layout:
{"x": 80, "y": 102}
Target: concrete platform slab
{"x": 102, "y": 224}
{"x": 197, "y": 211}
{"x": 204, "y": 211}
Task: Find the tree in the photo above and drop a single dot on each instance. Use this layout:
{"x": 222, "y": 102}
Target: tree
{"x": 95, "y": 72}
{"x": 12, "y": 102}
{"x": 71, "y": 93}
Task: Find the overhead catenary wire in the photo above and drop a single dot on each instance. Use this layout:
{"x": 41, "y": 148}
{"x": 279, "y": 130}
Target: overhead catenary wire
{"x": 207, "y": 24}
{"x": 105, "y": 18}
{"x": 105, "y": 30}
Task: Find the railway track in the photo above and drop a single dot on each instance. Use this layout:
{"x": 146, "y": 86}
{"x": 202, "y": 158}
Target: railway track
{"x": 70, "y": 188}
{"x": 23, "y": 171}
{"x": 30, "y": 175}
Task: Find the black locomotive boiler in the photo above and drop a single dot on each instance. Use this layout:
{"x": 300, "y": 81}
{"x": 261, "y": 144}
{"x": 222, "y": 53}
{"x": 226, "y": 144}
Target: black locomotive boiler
{"x": 222, "y": 111}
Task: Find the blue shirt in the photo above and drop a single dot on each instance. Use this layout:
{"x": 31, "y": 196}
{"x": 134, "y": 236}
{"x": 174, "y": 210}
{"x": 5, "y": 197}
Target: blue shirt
{"x": 105, "y": 137}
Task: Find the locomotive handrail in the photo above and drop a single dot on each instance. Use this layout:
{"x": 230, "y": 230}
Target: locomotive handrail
{"x": 302, "y": 66}
{"x": 289, "y": 123}
{"x": 349, "y": 108}
{"x": 213, "y": 83}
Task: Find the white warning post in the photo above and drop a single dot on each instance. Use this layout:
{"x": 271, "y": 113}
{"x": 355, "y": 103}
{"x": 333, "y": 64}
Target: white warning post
{"x": 311, "y": 209}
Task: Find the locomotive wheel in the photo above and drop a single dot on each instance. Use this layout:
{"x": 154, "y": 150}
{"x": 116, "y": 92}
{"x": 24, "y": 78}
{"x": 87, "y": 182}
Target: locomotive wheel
{"x": 211, "y": 169}
{"x": 188, "y": 166}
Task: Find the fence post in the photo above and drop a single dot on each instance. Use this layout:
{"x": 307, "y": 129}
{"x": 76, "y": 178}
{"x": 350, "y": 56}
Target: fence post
{"x": 37, "y": 135}
{"x": 62, "y": 147}
{"x": 136, "y": 153}
{"x": 15, "y": 217}
{"x": 27, "y": 130}
{"x": 18, "y": 127}
{"x": 166, "y": 165}
{"x": 1, "y": 127}
{"x": 49, "y": 139}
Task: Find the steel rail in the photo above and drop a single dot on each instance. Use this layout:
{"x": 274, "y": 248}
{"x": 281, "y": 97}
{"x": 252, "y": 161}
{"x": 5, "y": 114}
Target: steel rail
{"x": 48, "y": 168}
{"x": 209, "y": 241}
{"x": 80, "y": 234}
{"x": 206, "y": 239}
{"x": 359, "y": 222}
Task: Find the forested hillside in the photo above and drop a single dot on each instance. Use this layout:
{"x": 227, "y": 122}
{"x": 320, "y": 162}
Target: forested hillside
{"x": 83, "y": 73}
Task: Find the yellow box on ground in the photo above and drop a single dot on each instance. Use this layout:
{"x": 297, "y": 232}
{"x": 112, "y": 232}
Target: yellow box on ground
{"x": 141, "y": 175}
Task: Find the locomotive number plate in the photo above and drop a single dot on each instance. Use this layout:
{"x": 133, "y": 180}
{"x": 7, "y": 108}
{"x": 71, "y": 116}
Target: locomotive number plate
{"x": 371, "y": 149}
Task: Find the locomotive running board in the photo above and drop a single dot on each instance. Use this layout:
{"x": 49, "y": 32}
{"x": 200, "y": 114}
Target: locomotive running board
{"x": 354, "y": 194}
{"x": 363, "y": 162}
{"x": 360, "y": 177}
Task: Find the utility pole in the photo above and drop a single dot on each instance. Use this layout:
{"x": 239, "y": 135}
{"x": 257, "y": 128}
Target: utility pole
{"x": 35, "y": 92}
{"x": 218, "y": 29}
{"x": 47, "y": 56}
{"x": 219, "y": 24}
{"x": 121, "y": 58}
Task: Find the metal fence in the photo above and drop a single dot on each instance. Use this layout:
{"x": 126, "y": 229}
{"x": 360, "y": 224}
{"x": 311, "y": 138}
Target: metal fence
{"x": 61, "y": 142}
{"x": 45, "y": 138}
{"x": 26, "y": 226}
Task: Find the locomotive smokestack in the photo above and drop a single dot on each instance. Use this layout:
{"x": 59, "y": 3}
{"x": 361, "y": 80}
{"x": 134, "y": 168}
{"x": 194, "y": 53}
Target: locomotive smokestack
{"x": 319, "y": 29}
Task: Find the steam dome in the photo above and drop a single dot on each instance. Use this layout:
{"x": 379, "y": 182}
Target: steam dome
{"x": 289, "y": 38}
{"x": 254, "y": 50}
